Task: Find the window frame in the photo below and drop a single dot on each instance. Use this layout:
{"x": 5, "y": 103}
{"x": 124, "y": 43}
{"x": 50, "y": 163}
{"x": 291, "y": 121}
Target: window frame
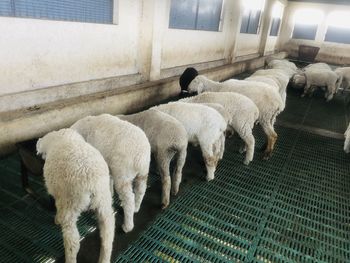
{"x": 304, "y": 38}
{"x": 114, "y": 15}
{"x": 272, "y": 33}
{"x": 248, "y": 22}
{"x": 219, "y": 28}
{"x": 333, "y": 41}
{"x": 334, "y": 27}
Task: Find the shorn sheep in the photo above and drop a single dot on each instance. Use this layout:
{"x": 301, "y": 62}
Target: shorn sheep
{"x": 319, "y": 78}
{"x": 168, "y": 139}
{"x": 299, "y": 80}
{"x": 127, "y": 151}
{"x": 77, "y": 176}
{"x": 242, "y": 112}
{"x": 266, "y": 98}
{"x": 204, "y": 126}
{"x": 347, "y": 140}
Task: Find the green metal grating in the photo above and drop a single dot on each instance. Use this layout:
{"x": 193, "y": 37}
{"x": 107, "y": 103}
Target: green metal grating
{"x": 294, "y": 208}
{"x": 316, "y": 112}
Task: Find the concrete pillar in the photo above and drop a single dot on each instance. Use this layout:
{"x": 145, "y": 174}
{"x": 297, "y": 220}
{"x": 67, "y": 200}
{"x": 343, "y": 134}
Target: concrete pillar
{"x": 231, "y": 27}
{"x": 265, "y": 26}
{"x": 160, "y": 24}
{"x": 145, "y": 38}
{"x": 154, "y": 20}
{"x": 286, "y": 26}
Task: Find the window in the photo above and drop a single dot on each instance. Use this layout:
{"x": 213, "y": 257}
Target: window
{"x": 92, "y": 11}
{"x": 276, "y": 18}
{"x": 195, "y": 14}
{"x": 251, "y": 16}
{"x": 338, "y": 27}
{"x": 305, "y": 23}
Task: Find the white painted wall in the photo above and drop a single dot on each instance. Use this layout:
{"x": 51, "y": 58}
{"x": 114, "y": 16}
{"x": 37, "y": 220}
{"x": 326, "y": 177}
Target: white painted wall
{"x": 247, "y": 44}
{"x": 329, "y": 52}
{"x": 41, "y": 53}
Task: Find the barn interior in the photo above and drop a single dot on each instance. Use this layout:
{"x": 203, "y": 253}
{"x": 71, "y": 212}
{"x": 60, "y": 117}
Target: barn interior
{"x": 64, "y": 60}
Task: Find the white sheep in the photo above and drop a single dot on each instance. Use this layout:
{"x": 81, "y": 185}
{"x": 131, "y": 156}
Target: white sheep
{"x": 273, "y": 77}
{"x": 319, "y": 65}
{"x": 229, "y": 131}
{"x": 127, "y": 151}
{"x": 344, "y": 72}
{"x": 299, "y": 80}
{"x": 347, "y": 140}
{"x": 204, "y": 126}
{"x": 265, "y": 97}
{"x": 242, "y": 113}
{"x": 288, "y": 67}
{"x": 319, "y": 78}
{"x": 168, "y": 139}
{"x": 77, "y": 176}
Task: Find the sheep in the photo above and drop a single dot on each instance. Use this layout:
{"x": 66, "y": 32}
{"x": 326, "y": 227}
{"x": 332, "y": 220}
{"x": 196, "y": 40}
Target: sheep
{"x": 319, "y": 65}
{"x": 220, "y": 109}
{"x": 205, "y": 127}
{"x": 288, "y": 67}
{"x": 77, "y": 176}
{"x": 299, "y": 81}
{"x": 347, "y": 140}
{"x": 127, "y": 152}
{"x": 242, "y": 111}
{"x": 229, "y": 131}
{"x": 344, "y": 72}
{"x": 265, "y": 97}
{"x": 274, "y": 77}
{"x": 321, "y": 78}
{"x": 168, "y": 139}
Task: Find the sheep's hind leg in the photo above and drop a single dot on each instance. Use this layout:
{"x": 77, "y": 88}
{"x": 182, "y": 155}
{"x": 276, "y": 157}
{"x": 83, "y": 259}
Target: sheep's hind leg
{"x": 163, "y": 162}
{"x": 271, "y": 140}
{"x": 70, "y": 235}
{"x": 249, "y": 145}
{"x": 127, "y": 198}
{"x": 210, "y": 160}
{"x": 106, "y": 224}
{"x": 177, "y": 177}
{"x": 140, "y": 189}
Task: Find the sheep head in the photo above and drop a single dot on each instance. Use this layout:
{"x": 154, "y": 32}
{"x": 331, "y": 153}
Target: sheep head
{"x": 196, "y": 86}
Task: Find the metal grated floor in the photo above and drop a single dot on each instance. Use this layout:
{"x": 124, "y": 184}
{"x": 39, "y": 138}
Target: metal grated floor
{"x": 293, "y": 208}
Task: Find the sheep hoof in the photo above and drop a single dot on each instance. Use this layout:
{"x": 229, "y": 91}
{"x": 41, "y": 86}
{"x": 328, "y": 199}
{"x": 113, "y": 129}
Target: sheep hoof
{"x": 242, "y": 149}
{"x": 174, "y": 191}
{"x": 246, "y": 162}
{"x": 266, "y": 156}
{"x": 128, "y": 228}
{"x": 263, "y": 148}
{"x": 164, "y": 206}
{"x": 209, "y": 179}
{"x": 137, "y": 209}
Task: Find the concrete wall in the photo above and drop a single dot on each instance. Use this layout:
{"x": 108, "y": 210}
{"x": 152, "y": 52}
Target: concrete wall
{"x": 334, "y": 53}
